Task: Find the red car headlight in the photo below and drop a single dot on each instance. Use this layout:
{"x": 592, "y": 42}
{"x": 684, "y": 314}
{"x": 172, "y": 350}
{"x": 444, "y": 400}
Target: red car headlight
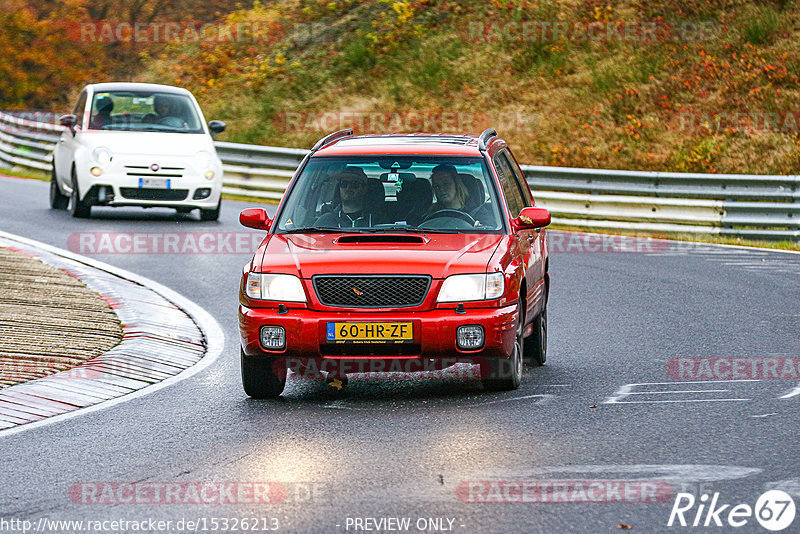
{"x": 279, "y": 287}
{"x": 469, "y": 287}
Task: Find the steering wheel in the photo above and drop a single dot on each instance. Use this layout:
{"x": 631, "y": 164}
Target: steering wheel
{"x": 174, "y": 122}
{"x": 451, "y": 213}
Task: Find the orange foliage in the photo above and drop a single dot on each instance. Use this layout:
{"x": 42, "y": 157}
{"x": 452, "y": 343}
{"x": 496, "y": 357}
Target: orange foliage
{"x": 41, "y": 66}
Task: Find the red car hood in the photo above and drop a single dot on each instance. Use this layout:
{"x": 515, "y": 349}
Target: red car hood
{"x": 438, "y": 255}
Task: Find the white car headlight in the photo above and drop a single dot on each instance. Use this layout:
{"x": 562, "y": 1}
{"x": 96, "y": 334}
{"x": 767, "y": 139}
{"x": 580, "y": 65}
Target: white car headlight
{"x": 469, "y": 287}
{"x": 204, "y": 159}
{"x": 102, "y": 155}
{"x": 280, "y": 287}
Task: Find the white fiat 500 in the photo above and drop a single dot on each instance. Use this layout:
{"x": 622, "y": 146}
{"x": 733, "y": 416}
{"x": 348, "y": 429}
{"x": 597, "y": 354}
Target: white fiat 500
{"x": 137, "y": 144}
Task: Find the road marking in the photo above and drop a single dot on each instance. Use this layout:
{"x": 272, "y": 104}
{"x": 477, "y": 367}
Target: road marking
{"x": 344, "y": 405}
{"x": 544, "y": 398}
{"x": 628, "y": 391}
{"x": 679, "y": 391}
{"x": 764, "y": 415}
{"x": 793, "y": 393}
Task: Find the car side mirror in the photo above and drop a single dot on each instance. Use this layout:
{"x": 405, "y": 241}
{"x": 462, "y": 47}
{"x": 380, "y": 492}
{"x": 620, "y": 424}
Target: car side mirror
{"x": 255, "y": 218}
{"x": 69, "y": 121}
{"x": 216, "y": 127}
{"x": 530, "y": 218}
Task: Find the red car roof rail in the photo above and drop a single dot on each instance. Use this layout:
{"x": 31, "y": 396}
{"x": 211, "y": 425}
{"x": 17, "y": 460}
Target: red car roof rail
{"x": 332, "y": 137}
{"x": 483, "y": 140}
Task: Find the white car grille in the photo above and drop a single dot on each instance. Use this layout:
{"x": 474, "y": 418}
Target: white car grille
{"x": 144, "y": 171}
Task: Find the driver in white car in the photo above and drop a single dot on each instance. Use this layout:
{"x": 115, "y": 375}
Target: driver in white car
{"x": 165, "y": 112}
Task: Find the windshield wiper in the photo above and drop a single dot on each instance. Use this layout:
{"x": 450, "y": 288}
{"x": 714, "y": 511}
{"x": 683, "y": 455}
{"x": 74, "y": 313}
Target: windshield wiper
{"x": 415, "y": 230}
{"x": 325, "y": 230}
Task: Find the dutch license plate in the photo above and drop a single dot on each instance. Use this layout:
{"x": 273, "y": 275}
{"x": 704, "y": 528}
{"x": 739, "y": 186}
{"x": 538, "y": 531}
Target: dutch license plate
{"x": 154, "y": 183}
{"x": 396, "y": 332}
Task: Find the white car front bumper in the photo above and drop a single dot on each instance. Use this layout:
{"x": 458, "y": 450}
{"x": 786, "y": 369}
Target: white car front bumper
{"x": 137, "y": 181}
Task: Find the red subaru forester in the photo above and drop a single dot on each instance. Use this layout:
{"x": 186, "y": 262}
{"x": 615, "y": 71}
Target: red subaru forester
{"x": 421, "y": 249}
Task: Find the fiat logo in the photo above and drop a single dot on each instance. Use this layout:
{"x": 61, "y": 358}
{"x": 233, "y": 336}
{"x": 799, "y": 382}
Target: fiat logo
{"x": 154, "y": 167}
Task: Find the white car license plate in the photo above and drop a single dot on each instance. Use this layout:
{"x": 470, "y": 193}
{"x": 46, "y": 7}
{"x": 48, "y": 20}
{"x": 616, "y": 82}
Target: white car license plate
{"x": 154, "y": 183}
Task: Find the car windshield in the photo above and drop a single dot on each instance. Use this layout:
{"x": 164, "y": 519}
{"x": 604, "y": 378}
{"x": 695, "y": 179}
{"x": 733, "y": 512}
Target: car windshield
{"x": 385, "y": 193}
{"x": 144, "y": 111}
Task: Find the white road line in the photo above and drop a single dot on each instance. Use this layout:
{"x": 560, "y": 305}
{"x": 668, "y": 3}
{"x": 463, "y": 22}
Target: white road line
{"x": 679, "y": 400}
{"x": 627, "y": 391}
{"x": 215, "y": 338}
{"x": 693, "y": 382}
{"x": 793, "y": 393}
{"x": 341, "y": 404}
{"x": 678, "y": 391}
{"x": 544, "y": 397}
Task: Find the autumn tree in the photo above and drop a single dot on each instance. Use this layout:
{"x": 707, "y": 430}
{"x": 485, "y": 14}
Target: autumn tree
{"x": 41, "y": 64}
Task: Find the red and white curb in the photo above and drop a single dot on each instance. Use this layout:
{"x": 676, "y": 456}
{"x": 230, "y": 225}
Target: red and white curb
{"x": 166, "y": 338}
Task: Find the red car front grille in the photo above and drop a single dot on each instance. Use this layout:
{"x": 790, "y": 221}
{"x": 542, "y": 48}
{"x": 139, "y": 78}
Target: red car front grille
{"x": 371, "y": 291}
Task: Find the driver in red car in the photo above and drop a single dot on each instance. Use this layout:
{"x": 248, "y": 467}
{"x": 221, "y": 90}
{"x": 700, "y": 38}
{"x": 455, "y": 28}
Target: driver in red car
{"x": 452, "y": 194}
{"x": 352, "y": 211}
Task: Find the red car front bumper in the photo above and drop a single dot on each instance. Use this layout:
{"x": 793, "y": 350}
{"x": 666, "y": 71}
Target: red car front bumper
{"x": 434, "y": 333}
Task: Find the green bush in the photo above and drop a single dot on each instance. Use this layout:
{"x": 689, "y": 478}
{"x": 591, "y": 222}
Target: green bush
{"x": 759, "y": 25}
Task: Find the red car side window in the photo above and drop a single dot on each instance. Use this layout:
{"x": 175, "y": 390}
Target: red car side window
{"x": 513, "y": 195}
{"x": 523, "y": 186}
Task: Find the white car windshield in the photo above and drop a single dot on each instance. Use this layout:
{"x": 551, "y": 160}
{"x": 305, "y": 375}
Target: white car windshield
{"x": 449, "y": 194}
{"x": 144, "y": 111}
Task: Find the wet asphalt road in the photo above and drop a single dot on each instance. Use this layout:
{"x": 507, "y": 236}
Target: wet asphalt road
{"x": 407, "y": 448}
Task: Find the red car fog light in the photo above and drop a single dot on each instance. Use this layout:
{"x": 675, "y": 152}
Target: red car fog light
{"x": 469, "y": 337}
{"x": 273, "y": 337}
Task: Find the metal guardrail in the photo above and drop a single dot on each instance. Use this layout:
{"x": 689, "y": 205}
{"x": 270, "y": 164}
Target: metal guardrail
{"x": 751, "y": 206}
{"x": 257, "y": 171}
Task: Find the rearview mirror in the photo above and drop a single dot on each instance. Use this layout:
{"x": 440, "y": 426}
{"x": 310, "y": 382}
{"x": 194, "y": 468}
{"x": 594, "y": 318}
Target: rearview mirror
{"x": 69, "y": 121}
{"x": 216, "y": 127}
{"x": 530, "y": 218}
{"x": 255, "y": 218}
